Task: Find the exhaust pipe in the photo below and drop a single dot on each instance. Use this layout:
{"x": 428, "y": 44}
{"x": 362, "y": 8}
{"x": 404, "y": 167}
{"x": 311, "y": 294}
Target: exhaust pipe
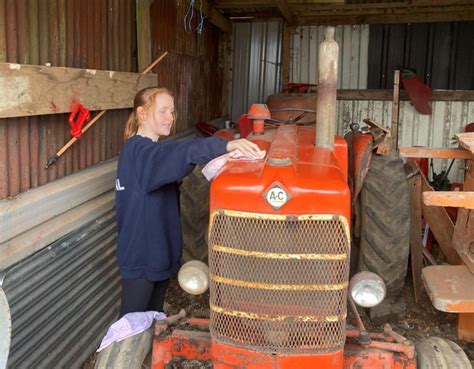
{"x": 326, "y": 106}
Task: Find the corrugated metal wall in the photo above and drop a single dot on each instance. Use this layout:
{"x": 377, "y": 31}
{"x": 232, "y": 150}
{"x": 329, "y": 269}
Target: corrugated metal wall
{"x": 192, "y": 70}
{"x": 73, "y": 286}
{"x": 97, "y": 34}
{"x": 441, "y": 53}
{"x": 435, "y": 130}
{"x": 256, "y": 65}
{"x": 353, "y": 44}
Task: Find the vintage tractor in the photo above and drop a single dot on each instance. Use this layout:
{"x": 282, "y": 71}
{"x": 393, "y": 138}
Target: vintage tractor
{"x": 280, "y": 243}
{"x": 279, "y": 246}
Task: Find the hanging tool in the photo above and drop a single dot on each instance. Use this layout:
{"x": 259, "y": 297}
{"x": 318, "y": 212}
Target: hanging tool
{"x": 56, "y": 156}
{"x": 78, "y": 116}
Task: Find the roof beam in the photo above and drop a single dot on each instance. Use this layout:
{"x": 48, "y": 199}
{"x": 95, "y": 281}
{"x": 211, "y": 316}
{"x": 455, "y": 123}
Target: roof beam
{"x": 214, "y": 16}
{"x": 413, "y": 17}
{"x": 285, "y": 11}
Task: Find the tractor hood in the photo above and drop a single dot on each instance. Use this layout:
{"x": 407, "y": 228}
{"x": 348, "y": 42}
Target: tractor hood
{"x": 294, "y": 178}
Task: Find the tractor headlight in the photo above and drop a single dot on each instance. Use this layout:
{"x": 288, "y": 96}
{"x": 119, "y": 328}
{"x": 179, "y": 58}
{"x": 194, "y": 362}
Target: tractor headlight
{"x": 193, "y": 277}
{"x": 367, "y": 289}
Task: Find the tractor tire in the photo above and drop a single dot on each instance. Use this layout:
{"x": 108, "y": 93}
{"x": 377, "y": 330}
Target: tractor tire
{"x": 127, "y": 354}
{"x": 384, "y": 243}
{"x": 194, "y": 206}
{"x": 437, "y": 353}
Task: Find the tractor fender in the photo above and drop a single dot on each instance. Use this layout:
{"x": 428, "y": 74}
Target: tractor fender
{"x": 360, "y": 154}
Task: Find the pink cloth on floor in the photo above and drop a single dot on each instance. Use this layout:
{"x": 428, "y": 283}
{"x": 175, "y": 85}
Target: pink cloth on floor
{"x": 129, "y": 325}
{"x": 214, "y": 167}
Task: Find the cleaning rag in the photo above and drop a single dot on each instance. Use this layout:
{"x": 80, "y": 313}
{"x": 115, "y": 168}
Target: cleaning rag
{"x": 129, "y": 325}
{"x": 214, "y": 167}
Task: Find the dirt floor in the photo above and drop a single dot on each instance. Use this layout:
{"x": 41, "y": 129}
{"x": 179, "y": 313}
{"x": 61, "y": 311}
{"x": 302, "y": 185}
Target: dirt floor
{"x": 421, "y": 320}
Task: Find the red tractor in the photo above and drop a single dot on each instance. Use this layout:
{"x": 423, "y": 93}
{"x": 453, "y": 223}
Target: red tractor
{"x": 280, "y": 247}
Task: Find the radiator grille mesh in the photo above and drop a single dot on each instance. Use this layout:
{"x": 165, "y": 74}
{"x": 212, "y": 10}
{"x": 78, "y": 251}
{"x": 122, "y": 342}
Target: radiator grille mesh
{"x": 279, "y": 283}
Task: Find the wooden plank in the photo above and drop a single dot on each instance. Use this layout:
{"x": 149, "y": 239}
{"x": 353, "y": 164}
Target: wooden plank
{"x": 214, "y": 16}
{"x": 401, "y": 9}
{"x": 416, "y": 246}
{"x": 461, "y": 199}
{"x": 395, "y": 109}
{"x": 143, "y": 33}
{"x": 286, "y": 55}
{"x": 450, "y": 288}
{"x": 387, "y": 95}
{"x": 466, "y": 140}
{"x": 441, "y": 225}
{"x": 37, "y": 90}
{"x": 455, "y": 16}
{"x": 463, "y": 236}
{"x": 285, "y": 11}
{"x": 429, "y": 152}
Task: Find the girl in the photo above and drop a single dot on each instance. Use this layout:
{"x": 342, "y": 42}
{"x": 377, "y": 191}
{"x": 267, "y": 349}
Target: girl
{"x": 149, "y": 229}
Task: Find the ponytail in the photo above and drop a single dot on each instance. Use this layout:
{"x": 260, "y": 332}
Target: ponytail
{"x": 131, "y": 127}
{"x": 143, "y": 98}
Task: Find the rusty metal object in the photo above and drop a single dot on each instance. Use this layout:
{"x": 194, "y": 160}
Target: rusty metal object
{"x": 162, "y": 326}
{"x": 188, "y": 345}
{"x": 258, "y": 113}
{"x": 278, "y": 103}
{"x": 328, "y": 59}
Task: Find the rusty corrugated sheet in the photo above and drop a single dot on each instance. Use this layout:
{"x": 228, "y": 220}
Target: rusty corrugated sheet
{"x": 435, "y": 130}
{"x": 96, "y": 34}
{"x": 191, "y": 70}
{"x": 256, "y": 64}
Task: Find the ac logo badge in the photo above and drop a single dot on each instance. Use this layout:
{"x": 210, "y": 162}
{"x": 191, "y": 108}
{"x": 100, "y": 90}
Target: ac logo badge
{"x": 276, "y": 196}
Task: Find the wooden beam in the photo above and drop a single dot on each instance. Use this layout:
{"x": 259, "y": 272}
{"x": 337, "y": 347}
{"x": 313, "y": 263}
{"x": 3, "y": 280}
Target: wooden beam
{"x": 387, "y": 95}
{"x": 416, "y": 246}
{"x": 395, "y": 109}
{"x": 456, "y": 16}
{"x": 461, "y": 199}
{"x": 429, "y": 152}
{"x": 285, "y": 11}
{"x": 441, "y": 225}
{"x": 143, "y": 33}
{"x": 214, "y": 16}
{"x": 373, "y": 9}
{"x": 466, "y": 140}
{"x": 286, "y": 55}
{"x": 37, "y": 90}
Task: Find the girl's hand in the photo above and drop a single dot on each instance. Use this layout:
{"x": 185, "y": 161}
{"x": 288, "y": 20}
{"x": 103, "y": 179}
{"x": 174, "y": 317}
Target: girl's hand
{"x": 246, "y": 147}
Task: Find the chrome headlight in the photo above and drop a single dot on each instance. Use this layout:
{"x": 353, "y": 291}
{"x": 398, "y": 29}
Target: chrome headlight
{"x": 367, "y": 289}
{"x": 193, "y": 277}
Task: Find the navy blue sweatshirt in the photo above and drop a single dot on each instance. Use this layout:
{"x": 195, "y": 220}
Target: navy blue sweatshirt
{"x": 147, "y": 209}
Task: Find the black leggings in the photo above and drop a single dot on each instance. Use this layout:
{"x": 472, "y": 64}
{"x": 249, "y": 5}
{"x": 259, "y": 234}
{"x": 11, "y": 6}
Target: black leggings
{"x": 142, "y": 295}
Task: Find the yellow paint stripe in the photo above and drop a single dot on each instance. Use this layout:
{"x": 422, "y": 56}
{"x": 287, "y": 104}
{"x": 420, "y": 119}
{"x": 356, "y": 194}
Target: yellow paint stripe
{"x": 274, "y": 255}
{"x": 276, "y": 318}
{"x": 279, "y": 287}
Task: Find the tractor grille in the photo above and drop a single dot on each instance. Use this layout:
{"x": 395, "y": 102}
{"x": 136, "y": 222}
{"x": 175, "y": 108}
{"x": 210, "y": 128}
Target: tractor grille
{"x": 278, "y": 282}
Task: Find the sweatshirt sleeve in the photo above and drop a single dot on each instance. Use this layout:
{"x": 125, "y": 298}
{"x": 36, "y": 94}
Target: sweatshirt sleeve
{"x": 167, "y": 162}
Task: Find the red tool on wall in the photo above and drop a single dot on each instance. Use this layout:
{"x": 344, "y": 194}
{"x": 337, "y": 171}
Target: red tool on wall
{"x": 79, "y": 115}
{"x": 61, "y": 151}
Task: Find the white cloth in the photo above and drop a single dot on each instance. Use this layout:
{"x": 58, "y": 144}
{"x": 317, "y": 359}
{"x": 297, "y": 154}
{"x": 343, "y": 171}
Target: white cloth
{"x": 129, "y": 325}
{"x": 214, "y": 167}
